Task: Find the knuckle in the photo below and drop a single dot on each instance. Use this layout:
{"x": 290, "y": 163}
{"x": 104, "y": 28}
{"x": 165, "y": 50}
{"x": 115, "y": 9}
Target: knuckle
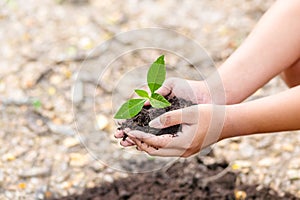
{"x": 166, "y": 119}
{"x": 142, "y": 146}
{"x": 145, "y": 148}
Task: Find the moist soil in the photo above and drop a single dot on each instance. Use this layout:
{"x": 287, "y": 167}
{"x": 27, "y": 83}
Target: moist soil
{"x": 183, "y": 180}
{"x": 141, "y": 121}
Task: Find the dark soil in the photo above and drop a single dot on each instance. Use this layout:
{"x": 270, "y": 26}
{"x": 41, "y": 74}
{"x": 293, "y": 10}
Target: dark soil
{"x": 141, "y": 121}
{"x": 183, "y": 180}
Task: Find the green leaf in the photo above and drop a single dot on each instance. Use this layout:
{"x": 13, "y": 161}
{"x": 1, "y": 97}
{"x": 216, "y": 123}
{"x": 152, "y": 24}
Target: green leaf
{"x": 158, "y": 101}
{"x": 37, "y": 104}
{"x": 156, "y": 74}
{"x": 142, "y": 93}
{"x": 130, "y": 109}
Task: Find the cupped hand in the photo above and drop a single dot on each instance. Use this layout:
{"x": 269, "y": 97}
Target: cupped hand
{"x": 195, "y": 91}
{"x": 196, "y": 133}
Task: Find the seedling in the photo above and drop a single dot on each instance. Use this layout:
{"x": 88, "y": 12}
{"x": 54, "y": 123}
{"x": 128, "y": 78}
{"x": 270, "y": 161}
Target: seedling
{"x": 155, "y": 78}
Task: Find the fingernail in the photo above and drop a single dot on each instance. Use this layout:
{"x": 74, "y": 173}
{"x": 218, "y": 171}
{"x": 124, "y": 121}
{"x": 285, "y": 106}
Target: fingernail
{"x": 156, "y": 123}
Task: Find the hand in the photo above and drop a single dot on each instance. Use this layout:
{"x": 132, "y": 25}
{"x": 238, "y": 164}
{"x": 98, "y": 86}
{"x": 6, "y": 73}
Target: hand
{"x": 197, "y": 132}
{"x": 195, "y": 91}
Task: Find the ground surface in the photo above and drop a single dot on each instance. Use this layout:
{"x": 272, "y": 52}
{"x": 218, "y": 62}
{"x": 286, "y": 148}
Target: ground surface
{"x": 183, "y": 180}
{"x": 54, "y": 143}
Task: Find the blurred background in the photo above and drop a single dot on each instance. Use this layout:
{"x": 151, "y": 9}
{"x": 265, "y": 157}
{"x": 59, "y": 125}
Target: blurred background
{"x": 44, "y": 45}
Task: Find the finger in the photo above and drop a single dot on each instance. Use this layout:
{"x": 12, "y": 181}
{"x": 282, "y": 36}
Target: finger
{"x": 151, "y": 140}
{"x": 137, "y": 148}
{"x": 167, "y": 119}
{"x": 119, "y": 134}
{"x": 167, "y": 152}
{"x": 130, "y": 140}
{"x": 126, "y": 143}
{"x": 167, "y": 141}
{"x": 188, "y": 115}
{"x": 142, "y": 146}
{"x": 153, "y": 151}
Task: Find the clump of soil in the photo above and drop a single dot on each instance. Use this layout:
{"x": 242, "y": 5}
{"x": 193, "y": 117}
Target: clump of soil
{"x": 183, "y": 180}
{"x": 141, "y": 121}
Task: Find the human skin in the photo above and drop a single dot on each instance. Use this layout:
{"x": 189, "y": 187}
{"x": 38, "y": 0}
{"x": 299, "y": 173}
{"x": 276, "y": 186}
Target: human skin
{"x": 274, "y": 113}
{"x": 272, "y": 48}
{"x": 291, "y": 74}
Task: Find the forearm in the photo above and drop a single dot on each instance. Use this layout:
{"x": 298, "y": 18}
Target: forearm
{"x": 275, "y": 113}
{"x": 272, "y": 46}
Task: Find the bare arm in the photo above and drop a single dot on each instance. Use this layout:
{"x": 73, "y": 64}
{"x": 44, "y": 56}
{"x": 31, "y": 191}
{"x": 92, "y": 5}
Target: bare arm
{"x": 272, "y": 46}
{"x": 280, "y": 112}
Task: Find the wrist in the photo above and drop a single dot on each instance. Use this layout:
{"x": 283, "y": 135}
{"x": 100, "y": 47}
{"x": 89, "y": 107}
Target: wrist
{"x": 236, "y": 122}
{"x": 203, "y": 93}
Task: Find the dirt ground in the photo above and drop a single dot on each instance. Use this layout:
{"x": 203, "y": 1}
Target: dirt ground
{"x": 183, "y": 180}
{"x": 62, "y": 79}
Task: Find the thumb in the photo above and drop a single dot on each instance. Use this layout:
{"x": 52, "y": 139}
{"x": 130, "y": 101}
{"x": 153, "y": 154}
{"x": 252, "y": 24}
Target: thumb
{"x": 168, "y": 119}
{"x": 187, "y": 115}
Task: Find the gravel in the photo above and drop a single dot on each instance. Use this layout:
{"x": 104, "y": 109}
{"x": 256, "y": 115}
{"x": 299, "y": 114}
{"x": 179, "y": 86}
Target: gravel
{"x": 59, "y": 148}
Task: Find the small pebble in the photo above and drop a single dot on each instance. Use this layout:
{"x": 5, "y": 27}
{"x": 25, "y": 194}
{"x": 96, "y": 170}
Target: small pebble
{"x": 1, "y": 177}
{"x": 108, "y": 178}
{"x": 102, "y": 121}
{"x": 240, "y": 195}
{"x": 8, "y": 157}
{"x": 77, "y": 92}
{"x": 34, "y": 171}
{"x": 267, "y": 162}
{"x": 22, "y": 185}
{"x": 246, "y": 150}
{"x": 293, "y": 174}
{"x": 78, "y": 160}
{"x": 61, "y": 129}
{"x": 70, "y": 142}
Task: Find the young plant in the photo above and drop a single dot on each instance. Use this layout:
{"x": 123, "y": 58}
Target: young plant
{"x": 155, "y": 78}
